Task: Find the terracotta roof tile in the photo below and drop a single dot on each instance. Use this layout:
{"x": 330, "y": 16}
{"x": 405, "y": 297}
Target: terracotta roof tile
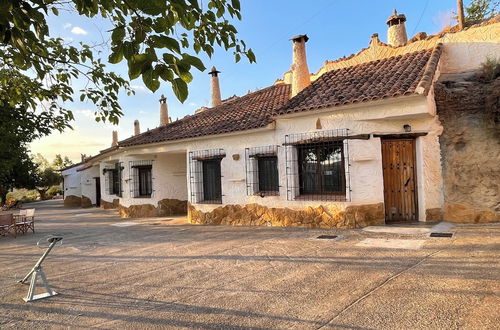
{"x": 390, "y": 77}
{"x": 251, "y": 111}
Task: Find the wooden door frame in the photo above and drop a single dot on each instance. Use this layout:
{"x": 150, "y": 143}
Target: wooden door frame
{"x": 396, "y": 137}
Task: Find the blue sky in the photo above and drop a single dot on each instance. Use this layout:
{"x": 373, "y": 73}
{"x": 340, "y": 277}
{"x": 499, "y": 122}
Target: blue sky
{"x": 335, "y": 27}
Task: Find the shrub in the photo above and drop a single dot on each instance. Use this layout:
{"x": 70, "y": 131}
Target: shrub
{"x": 53, "y": 191}
{"x": 490, "y": 70}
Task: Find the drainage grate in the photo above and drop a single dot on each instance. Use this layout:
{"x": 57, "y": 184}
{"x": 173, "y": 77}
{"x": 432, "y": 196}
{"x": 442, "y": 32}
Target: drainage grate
{"x": 441, "y": 234}
{"x": 327, "y": 237}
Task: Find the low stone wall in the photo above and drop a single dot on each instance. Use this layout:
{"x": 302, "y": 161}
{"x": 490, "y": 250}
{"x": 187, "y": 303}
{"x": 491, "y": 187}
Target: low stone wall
{"x": 469, "y": 110}
{"x": 86, "y": 202}
{"x": 166, "y": 207}
{"x": 73, "y": 201}
{"x": 354, "y": 216}
{"x": 110, "y": 205}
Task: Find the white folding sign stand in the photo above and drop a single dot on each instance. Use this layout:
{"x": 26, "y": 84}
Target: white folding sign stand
{"x": 37, "y": 271}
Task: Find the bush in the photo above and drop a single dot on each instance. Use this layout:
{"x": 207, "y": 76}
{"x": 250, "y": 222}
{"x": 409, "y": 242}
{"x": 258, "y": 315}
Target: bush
{"x": 490, "y": 69}
{"x": 53, "y": 191}
{"x": 24, "y": 195}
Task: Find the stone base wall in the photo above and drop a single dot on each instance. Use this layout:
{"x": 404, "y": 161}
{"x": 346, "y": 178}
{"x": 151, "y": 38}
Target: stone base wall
{"x": 73, "y": 201}
{"x": 165, "y": 207}
{"x": 469, "y": 110}
{"x": 434, "y": 215}
{"x": 110, "y": 205}
{"x": 86, "y": 202}
{"x": 354, "y": 216}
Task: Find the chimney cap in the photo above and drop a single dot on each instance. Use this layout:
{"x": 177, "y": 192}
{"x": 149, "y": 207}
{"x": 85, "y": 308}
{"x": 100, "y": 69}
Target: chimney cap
{"x": 163, "y": 99}
{"x": 214, "y": 71}
{"x": 299, "y": 37}
{"x": 396, "y": 18}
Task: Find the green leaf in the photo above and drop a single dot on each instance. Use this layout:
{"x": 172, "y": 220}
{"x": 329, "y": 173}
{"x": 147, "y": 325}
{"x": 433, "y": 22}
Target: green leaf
{"x": 137, "y": 64}
{"x": 151, "y": 80}
{"x": 118, "y": 34}
{"x": 116, "y": 56}
{"x": 180, "y": 89}
{"x": 251, "y": 56}
{"x": 166, "y": 42}
{"x": 164, "y": 72}
{"x": 194, "y": 61}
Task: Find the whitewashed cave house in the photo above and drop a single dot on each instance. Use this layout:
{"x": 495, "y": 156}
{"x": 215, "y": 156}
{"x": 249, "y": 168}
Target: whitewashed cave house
{"x": 355, "y": 144}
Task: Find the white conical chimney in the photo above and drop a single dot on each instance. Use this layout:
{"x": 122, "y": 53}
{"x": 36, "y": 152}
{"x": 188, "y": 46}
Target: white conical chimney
{"x": 137, "y": 127}
{"x": 300, "y": 71}
{"x": 114, "y": 142}
{"x": 163, "y": 111}
{"x": 216, "y": 99}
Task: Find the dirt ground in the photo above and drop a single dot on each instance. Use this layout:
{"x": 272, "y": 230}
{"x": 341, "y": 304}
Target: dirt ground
{"x": 164, "y": 273}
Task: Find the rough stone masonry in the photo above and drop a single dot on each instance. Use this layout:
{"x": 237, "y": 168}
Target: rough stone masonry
{"x": 468, "y": 108}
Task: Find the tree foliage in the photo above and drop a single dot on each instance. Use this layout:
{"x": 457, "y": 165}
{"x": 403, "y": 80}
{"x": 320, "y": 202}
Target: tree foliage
{"x": 17, "y": 169}
{"x": 160, "y": 40}
{"x": 481, "y": 9}
{"x": 19, "y": 125}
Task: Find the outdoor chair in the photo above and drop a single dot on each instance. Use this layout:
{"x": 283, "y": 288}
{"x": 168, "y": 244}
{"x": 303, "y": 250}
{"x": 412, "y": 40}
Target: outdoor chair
{"x": 7, "y": 225}
{"x": 25, "y": 220}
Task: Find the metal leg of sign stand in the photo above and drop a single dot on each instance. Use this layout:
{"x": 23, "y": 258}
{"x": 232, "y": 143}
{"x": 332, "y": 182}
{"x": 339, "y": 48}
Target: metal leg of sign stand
{"x": 36, "y": 272}
{"x": 33, "y": 284}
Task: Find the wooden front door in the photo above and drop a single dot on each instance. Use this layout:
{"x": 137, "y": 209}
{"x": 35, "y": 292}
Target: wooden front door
{"x": 400, "y": 187}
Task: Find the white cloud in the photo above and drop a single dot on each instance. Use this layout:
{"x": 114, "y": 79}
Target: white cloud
{"x": 86, "y": 112}
{"x": 192, "y": 104}
{"x": 67, "y": 25}
{"x": 444, "y": 19}
{"x": 78, "y": 30}
{"x": 138, "y": 87}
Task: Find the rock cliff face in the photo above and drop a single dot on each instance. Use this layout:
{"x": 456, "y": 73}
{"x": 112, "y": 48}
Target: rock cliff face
{"x": 468, "y": 109}
{"x": 354, "y": 216}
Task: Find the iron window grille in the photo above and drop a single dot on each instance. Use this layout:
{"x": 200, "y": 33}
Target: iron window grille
{"x": 317, "y": 166}
{"x": 113, "y": 179}
{"x": 262, "y": 176}
{"x": 141, "y": 178}
{"x": 205, "y": 178}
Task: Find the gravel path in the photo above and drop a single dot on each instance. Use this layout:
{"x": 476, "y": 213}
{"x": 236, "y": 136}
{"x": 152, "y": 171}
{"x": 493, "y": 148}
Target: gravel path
{"x": 164, "y": 273}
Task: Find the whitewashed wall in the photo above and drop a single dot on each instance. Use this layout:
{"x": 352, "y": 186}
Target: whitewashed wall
{"x": 88, "y": 182}
{"x": 168, "y": 172}
{"x": 72, "y": 184}
{"x": 467, "y": 50}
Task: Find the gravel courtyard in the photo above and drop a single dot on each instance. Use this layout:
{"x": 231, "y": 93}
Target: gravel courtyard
{"x": 164, "y": 273}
